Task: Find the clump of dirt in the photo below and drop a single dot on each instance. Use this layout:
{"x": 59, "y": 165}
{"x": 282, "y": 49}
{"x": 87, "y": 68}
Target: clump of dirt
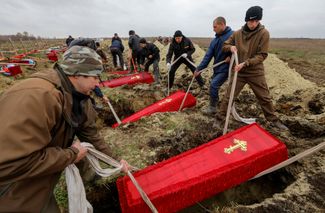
{"x": 317, "y": 104}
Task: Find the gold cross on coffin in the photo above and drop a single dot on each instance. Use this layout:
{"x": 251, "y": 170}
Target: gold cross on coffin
{"x": 239, "y": 145}
{"x": 135, "y": 77}
{"x": 165, "y": 101}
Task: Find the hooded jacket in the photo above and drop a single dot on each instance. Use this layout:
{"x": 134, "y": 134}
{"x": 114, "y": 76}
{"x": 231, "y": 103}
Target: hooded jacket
{"x": 36, "y": 134}
{"x": 252, "y": 49}
{"x": 215, "y": 50}
{"x": 185, "y": 46}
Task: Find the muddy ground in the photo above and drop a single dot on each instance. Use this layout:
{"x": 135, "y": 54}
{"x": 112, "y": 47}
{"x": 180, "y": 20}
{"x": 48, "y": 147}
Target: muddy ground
{"x": 299, "y": 103}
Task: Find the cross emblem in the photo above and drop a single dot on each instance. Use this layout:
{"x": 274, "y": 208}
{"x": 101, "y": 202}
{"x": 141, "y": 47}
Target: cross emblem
{"x": 165, "y": 101}
{"x": 238, "y": 145}
{"x": 135, "y": 77}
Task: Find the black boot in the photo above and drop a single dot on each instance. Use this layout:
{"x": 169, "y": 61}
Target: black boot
{"x": 212, "y": 108}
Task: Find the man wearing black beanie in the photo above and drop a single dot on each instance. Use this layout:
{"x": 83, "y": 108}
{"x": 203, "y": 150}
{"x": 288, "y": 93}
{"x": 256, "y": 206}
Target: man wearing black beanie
{"x": 181, "y": 47}
{"x": 251, "y": 43}
{"x": 149, "y": 54}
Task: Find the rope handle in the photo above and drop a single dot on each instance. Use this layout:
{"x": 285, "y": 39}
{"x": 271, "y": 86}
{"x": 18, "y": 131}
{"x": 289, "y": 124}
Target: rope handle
{"x": 169, "y": 71}
{"x": 234, "y": 57}
{"x": 190, "y": 85}
{"x": 95, "y": 155}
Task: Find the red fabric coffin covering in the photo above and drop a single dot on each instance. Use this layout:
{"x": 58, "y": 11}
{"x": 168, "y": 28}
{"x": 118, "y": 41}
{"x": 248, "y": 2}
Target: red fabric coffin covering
{"x": 52, "y": 56}
{"x": 168, "y": 104}
{"x": 11, "y": 70}
{"x": 14, "y": 70}
{"x": 123, "y": 72}
{"x": 202, "y": 172}
{"x": 20, "y": 56}
{"x": 23, "y": 61}
{"x": 143, "y": 77}
{"x": 32, "y": 52}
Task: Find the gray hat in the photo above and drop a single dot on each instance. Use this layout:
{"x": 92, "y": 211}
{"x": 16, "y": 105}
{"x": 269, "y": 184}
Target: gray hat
{"x": 79, "y": 60}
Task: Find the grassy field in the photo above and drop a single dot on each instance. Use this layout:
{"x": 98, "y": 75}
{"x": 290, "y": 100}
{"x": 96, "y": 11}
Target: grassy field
{"x": 307, "y": 56}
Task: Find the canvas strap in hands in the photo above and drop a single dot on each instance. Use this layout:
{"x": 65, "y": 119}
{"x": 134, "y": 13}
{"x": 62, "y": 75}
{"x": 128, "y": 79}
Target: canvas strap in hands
{"x": 169, "y": 71}
{"x": 190, "y": 85}
{"x": 231, "y": 106}
{"x": 76, "y": 191}
{"x": 118, "y": 120}
{"x": 233, "y": 109}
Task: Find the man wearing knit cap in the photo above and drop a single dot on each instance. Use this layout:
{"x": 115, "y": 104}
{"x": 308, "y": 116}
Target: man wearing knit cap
{"x": 251, "y": 43}
{"x": 37, "y": 135}
{"x": 149, "y": 54}
{"x": 181, "y": 46}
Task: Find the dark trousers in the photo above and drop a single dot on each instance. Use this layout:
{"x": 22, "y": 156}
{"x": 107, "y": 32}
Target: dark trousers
{"x": 175, "y": 66}
{"x": 156, "y": 72}
{"x": 217, "y": 81}
{"x": 135, "y": 61}
{"x": 117, "y": 53}
{"x": 261, "y": 91}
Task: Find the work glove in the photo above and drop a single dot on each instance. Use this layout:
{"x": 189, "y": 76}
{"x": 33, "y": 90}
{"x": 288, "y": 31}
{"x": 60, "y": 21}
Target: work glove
{"x": 168, "y": 66}
{"x": 184, "y": 55}
{"x": 197, "y": 73}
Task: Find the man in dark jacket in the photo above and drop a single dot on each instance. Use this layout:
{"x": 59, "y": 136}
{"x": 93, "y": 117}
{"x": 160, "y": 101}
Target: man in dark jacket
{"x": 116, "y": 37}
{"x": 220, "y": 73}
{"x": 38, "y": 131}
{"x": 150, "y": 55}
{"x": 117, "y": 49}
{"x": 181, "y": 46}
{"x": 68, "y": 40}
{"x": 134, "y": 46}
{"x": 251, "y": 43}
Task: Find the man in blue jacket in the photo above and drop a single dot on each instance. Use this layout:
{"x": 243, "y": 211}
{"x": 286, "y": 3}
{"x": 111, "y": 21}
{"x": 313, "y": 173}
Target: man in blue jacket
{"x": 220, "y": 73}
{"x": 117, "y": 49}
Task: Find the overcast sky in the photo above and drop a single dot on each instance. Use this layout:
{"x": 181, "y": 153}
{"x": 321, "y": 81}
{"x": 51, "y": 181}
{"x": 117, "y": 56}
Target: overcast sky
{"x": 102, "y": 18}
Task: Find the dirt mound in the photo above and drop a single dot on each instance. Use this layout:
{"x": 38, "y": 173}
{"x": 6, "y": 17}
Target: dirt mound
{"x": 281, "y": 79}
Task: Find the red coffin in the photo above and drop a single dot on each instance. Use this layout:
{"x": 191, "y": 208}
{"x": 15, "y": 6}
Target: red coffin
{"x": 32, "y": 52}
{"x": 20, "y": 56}
{"x": 143, "y": 77}
{"x": 52, "y": 56}
{"x": 23, "y": 61}
{"x": 122, "y": 72}
{"x": 204, "y": 171}
{"x": 168, "y": 104}
{"x": 11, "y": 70}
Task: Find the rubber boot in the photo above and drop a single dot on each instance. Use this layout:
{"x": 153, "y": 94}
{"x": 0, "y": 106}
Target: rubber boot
{"x": 212, "y": 108}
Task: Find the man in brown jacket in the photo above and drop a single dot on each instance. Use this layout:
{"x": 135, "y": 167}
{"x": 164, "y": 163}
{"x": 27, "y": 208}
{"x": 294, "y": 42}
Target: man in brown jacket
{"x": 40, "y": 118}
{"x": 251, "y": 43}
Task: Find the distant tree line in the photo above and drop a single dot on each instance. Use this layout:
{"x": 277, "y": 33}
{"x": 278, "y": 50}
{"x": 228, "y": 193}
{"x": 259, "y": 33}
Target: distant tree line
{"x": 24, "y": 36}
